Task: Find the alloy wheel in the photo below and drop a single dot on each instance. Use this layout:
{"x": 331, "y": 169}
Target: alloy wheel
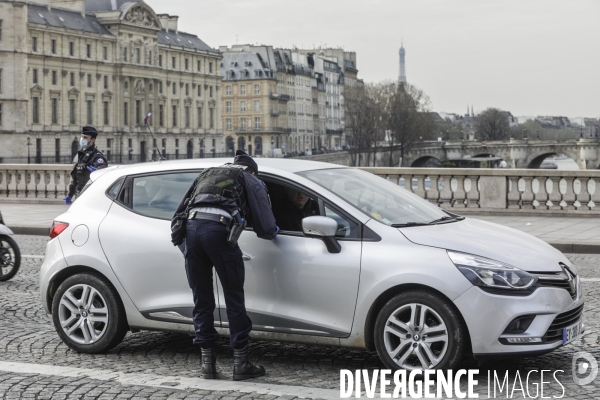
{"x": 415, "y": 337}
{"x": 83, "y": 314}
{"x": 7, "y": 258}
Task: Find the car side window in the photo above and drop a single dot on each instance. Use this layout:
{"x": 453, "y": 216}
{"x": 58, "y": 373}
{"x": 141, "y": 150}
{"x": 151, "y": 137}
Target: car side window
{"x": 158, "y": 196}
{"x": 115, "y": 188}
{"x": 347, "y": 229}
{"x": 290, "y": 205}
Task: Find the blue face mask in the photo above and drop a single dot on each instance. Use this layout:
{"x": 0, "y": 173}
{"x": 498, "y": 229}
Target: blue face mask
{"x": 83, "y": 143}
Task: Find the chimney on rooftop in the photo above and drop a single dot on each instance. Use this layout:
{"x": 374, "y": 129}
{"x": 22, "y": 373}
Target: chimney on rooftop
{"x": 168, "y": 22}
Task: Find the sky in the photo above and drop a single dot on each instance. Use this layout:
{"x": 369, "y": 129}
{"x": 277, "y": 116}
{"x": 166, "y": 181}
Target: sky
{"x": 529, "y": 57}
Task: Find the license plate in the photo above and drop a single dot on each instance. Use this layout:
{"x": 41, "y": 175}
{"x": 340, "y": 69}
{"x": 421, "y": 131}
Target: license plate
{"x": 572, "y": 332}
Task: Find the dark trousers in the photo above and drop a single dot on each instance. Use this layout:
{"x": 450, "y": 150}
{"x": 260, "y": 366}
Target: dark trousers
{"x": 206, "y": 246}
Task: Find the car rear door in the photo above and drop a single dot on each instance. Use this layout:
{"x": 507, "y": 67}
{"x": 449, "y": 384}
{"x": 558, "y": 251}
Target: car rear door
{"x": 135, "y": 236}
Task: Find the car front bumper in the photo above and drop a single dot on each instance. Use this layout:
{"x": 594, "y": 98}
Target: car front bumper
{"x": 488, "y": 315}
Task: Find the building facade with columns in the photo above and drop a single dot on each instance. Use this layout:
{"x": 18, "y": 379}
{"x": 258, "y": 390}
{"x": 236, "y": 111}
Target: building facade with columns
{"x": 105, "y": 63}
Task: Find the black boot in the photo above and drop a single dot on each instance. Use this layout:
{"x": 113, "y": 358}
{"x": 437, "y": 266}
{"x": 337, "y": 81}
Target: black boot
{"x": 243, "y": 368}
{"x": 209, "y": 364}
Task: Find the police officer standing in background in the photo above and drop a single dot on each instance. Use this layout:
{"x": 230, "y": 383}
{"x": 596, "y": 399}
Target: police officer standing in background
{"x": 215, "y": 198}
{"x": 89, "y": 159}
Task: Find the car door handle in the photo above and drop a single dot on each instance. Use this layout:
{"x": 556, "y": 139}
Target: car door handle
{"x": 245, "y": 257}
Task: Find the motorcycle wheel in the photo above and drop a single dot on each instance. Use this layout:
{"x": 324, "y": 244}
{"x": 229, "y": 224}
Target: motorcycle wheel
{"x": 10, "y": 258}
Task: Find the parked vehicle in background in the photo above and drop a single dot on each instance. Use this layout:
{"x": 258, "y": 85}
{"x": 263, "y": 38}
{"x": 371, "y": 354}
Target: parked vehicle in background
{"x": 10, "y": 255}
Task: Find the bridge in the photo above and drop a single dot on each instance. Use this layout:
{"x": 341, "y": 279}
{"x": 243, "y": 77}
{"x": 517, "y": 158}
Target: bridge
{"x": 517, "y": 153}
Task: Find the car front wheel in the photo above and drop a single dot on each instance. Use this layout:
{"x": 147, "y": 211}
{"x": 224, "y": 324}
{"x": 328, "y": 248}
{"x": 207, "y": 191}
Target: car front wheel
{"x": 419, "y": 329}
{"x": 88, "y": 314}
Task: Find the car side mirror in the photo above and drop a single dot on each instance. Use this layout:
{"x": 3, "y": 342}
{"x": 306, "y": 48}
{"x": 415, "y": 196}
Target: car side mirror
{"x": 323, "y": 228}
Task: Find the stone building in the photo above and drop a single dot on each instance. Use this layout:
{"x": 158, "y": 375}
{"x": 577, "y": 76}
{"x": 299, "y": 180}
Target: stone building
{"x": 107, "y": 63}
{"x": 297, "y": 107}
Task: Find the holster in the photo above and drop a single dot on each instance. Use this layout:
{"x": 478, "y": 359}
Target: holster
{"x": 178, "y": 228}
{"x": 235, "y": 230}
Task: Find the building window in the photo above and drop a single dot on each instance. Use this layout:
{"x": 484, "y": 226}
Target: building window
{"x": 151, "y": 110}
{"x": 242, "y": 106}
{"x": 257, "y": 123}
{"x": 72, "y": 119}
{"x": 89, "y": 80}
{"x": 0, "y": 80}
{"x": 105, "y": 82}
{"x": 243, "y": 124}
{"x": 35, "y": 76}
{"x": 149, "y": 58}
{"x": 211, "y": 91}
{"x": 174, "y": 88}
{"x": 174, "y": 116}
{"x": 90, "y": 120}
{"x": 228, "y": 124}
{"x": 243, "y": 90}
{"x": 126, "y": 113}
{"x": 53, "y": 46}
{"x": 228, "y": 90}
{"x": 55, "y": 111}
{"x": 160, "y": 60}
{"x": 186, "y": 64}
{"x": 54, "y": 77}
{"x": 138, "y": 56}
{"x": 173, "y": 62}
{"x": 138, "y": 112}
{"x": 198, "y": 60}
{"x": 187, "y": 89}
{"x": 105, "y": 53}
{"x": 228, "y": 107}
{"x": 88, "y": 50}
{"x": 161, "y": 115}
{"x": 187, "y": 116}
{"x": 130, "y": 143}
{"x": 256, "y": 89}
{"x": 199, "y": 90}
{"x": 36, "y": 110}
{"x": 57, "y": 150}
{"x": 211, "y": 115}
{"x": 0, "y": 108}
{"x": 105, "y": 113}
{"x": 72, "y": 49}
{"x": 257, "y": 106}
{"x": 72, "y": 79}
{"x": 210, "y": 67}
{"x": 1, "y": 31}
{"x": 125, "y": 51}
{"x": 160, "y": 89}
{"x": 34, "y": 43}
{"x": 199, "y": 117}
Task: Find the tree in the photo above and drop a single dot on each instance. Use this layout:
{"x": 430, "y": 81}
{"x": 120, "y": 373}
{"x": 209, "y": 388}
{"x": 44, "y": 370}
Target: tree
{"x": 492, "y": 124}
{"x": 405, "y": 111}
{"x": 362, "y": 119}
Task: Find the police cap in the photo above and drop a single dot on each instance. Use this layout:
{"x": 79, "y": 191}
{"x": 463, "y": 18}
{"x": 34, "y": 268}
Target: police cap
{"x": 90, "y": 130}
{"x": 242, "y": 158}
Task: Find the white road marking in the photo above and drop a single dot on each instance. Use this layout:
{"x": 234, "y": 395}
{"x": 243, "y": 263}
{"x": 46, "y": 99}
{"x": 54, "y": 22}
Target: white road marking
{"x": 30, "y": 256}
{"x": 169, "y": 382}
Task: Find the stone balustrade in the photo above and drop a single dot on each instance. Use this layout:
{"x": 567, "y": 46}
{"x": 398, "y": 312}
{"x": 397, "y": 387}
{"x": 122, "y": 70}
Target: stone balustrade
{"x": 501, "y": 191}
{"x": 464, "y": 191}
{"x": 35, "y": 183}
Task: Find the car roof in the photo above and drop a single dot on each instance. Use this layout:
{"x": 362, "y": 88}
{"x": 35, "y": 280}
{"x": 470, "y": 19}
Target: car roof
{"x": 264, "y": 165}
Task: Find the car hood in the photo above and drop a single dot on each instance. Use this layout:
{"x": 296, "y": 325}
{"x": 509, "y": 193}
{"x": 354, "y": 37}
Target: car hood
{"x": 490, "y": 240}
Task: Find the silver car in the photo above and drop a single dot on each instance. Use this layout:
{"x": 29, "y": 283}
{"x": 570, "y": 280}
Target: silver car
{"x": 376, "y": 267}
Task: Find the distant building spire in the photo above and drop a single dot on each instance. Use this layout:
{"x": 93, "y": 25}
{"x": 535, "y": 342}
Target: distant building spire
{"x": 402, "y": 77}
{"x": 472, "y": 113}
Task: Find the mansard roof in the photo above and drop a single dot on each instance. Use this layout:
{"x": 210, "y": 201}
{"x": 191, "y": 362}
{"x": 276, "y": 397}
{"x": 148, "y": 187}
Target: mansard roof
{"x": 107, "y": 5}
{"x": 61, "y": 18}
{"x": 183, "y": 39}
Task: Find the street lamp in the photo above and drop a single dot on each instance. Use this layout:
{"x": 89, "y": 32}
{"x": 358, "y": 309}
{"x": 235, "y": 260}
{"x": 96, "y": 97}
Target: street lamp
{"x": 28, "y": 152}
{"x": 538, "y": 133}
{"x": 525, "y": 134}
{"x": 581, "y": 132}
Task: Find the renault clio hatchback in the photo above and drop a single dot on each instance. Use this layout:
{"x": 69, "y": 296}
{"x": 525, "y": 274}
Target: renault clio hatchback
{"x": 378, "y": 268}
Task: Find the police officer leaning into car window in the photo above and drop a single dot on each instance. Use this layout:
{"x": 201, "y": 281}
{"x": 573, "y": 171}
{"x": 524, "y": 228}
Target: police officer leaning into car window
{"x": 215, "y": 197}
{"x": 89, "y": 159}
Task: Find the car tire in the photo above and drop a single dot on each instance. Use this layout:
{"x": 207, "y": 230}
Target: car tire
{"x": 403, "y": 341}
{"x": 88, "y": 314}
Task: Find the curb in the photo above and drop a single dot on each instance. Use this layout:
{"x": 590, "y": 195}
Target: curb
{"x": 30, "y": 230}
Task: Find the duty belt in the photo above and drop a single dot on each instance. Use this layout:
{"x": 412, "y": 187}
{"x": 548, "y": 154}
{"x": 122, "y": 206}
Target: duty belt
{"x": 210, "y": 217}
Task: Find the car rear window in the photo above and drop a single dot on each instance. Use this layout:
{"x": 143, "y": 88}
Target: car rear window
{"x": 158, "y": 196}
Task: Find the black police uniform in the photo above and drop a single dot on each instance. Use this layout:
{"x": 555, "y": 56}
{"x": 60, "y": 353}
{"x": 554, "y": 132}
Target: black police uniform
{"x": 88, "y": 157}
{"x": 227, "y": 188}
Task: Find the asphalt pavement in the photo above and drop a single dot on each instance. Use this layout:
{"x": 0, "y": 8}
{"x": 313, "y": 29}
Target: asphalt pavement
{"x": 35, "y": 364}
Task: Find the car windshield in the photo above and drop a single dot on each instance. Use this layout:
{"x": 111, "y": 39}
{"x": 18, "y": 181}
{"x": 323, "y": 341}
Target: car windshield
{"x": 377, "y": 197}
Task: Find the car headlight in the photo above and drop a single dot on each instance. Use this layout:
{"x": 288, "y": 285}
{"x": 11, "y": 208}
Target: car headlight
{"x": 488, "y": 273}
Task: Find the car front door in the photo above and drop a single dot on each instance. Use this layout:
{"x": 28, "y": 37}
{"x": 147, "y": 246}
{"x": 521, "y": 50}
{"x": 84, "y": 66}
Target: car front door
{"x": 135, "y": 236}
{"x": 294, "y": 285}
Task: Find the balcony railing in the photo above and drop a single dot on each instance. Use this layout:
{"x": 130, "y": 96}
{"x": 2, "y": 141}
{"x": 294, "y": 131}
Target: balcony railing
{"x": 279, "y": 96}
{"x": 275, "y": 113}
